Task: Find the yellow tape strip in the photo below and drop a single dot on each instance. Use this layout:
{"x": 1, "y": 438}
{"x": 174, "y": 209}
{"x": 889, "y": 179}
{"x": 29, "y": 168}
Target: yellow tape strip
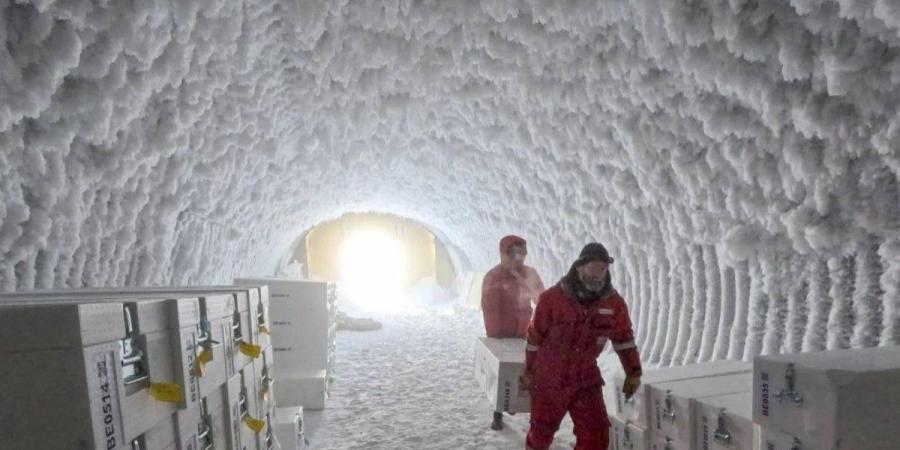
{"x": 255, "y": 424}
{"x": 203, "y": 358}
{"x": 166, "y": 392}
{"x": 251, "y": 350}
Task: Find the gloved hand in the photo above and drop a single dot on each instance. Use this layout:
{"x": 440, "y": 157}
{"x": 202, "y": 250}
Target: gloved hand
{"x": 525, "y": 382}
{"x": 631, "y": 386}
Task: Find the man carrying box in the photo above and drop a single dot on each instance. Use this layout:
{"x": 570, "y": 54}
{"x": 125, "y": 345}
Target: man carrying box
{"x": 506, "y": 295}
{"x": 572, "y": 323}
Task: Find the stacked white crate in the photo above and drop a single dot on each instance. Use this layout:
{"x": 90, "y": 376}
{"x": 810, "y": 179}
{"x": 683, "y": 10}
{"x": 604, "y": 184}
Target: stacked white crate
{"x": 674, "y": 405}
{"x": 630, "y": 418}
{"x": 725, "y": 422}
{"x": 77, "y": 403}
{"x": 303, "y": 338}
{"x": 834, "y": 400}
{"x": 290, "y": 428}
{"x": 171, "y": 328}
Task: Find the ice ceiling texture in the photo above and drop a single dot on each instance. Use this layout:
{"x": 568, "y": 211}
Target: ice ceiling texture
{"x": 740, "y": 158}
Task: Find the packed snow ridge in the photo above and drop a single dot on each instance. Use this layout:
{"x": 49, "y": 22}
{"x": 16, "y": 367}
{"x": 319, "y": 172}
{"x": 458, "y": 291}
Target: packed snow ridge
{"x": 739, "y": 158}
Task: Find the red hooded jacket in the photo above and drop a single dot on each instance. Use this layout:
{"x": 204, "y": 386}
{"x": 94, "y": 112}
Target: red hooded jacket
{"x": 506, "y": 295}
{"x": 565, "y": 338}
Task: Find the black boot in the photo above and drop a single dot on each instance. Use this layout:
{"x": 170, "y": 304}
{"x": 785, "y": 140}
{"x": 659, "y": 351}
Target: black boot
{"x": 497, "y": 424}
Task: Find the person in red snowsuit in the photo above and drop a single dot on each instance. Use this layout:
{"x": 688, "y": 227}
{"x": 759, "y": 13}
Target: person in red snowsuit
{"x": 573, "y": 321}
{"x": 507, "y": 291}
{"x": 506, "y": 295}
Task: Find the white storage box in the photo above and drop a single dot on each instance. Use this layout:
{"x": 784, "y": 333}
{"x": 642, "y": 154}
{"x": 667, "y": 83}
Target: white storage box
{"x": 233, "y": 413}
{"x": 637, "y": 408}
{"x": 498, "y": 365}
{"x": 307, "y": 389}
{"x": 725, "y": 422}
{"x": 217, "y": 408}
{"x": 221, "y": 367}
{"x": 300, "y": 322}
{"x": 242, "y": 359}
{"x": 222, "y": 431}
{"x": 262, "y": 368}
{"x": 289, "y": 430}
{"x": 249, "y": 407}
{"x": 626, "y": 436}
{"x": 170, "y": 357}
{"x": 191, "y": 426}
{"x": 87, "y": 381}
{"x": 672, "y": 403}
{"x": 845, "y": 399}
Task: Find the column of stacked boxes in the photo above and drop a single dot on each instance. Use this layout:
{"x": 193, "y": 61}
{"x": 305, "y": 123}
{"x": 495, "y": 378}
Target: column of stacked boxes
{"x": 163, "y": 368}
{"x": 303, "y": 330}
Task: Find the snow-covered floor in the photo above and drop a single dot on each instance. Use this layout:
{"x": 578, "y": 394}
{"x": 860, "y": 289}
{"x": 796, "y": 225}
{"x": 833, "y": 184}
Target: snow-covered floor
{"x": 410, "y": 385}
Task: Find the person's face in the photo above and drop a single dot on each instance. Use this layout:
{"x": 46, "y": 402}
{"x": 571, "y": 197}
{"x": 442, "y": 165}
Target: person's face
{"x": 516, "y": 254}
{"x": 593, "y": 275}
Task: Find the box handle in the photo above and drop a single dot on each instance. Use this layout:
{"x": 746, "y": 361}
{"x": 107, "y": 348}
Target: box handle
{"x": 669, "y": 412}
{"x": 721, "y": 434}
{"x": 789, "y": 393}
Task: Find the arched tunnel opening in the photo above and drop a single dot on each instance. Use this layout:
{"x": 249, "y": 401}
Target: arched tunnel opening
{"x": 382, "y": 263}
{"x": 738, "y": 160}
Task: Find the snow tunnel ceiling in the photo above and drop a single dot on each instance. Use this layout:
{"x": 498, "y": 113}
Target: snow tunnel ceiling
{"x": 740, "y": 158}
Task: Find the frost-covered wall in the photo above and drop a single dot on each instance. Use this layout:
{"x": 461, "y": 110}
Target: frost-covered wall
{"x": 741, "y": 159}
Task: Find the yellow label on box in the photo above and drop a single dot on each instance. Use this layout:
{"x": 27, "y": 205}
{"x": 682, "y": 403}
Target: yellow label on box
{"x": 255, "y": 424}
{"x": 166, "y": 392}
{"x": 204, "y": 357}
{"x": 251, "y": 350}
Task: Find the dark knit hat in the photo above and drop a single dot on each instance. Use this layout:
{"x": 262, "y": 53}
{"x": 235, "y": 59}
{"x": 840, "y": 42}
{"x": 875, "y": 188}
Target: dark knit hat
{"x": 594, "y": 251}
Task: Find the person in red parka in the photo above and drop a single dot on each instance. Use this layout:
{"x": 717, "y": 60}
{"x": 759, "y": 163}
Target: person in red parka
{"x": 506, "y": 295}
{"x": 573, "y": 322}
{"x": 507, "y": 291}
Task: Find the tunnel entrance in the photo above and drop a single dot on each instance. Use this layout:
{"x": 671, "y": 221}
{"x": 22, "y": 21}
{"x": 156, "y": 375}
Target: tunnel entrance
{"x": 379, "y": 261}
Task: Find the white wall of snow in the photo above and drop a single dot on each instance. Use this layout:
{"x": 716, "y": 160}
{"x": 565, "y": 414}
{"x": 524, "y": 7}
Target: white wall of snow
{"x": 740, "y": 159}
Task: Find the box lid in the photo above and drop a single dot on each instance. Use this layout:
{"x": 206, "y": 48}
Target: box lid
{"x": 724, "y": 366}
{"x": 708, "y": 386}
{"x": 852, "y": 360}
{"x": 31, "y": 327}
{"x": 508, "y": 350}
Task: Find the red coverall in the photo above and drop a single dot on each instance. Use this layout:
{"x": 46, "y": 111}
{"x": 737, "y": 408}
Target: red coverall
{"x": 506, "y": 295}
{"x": 564, "y": 340}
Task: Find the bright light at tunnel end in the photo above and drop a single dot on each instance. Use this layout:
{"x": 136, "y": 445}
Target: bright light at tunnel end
{"x": 373, "y": 271}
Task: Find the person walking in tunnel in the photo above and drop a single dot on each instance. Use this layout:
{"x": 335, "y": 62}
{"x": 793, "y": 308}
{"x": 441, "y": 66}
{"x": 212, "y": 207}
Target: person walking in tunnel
{"x": 506, "y": 295}
{"x": 572, "y": 323}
